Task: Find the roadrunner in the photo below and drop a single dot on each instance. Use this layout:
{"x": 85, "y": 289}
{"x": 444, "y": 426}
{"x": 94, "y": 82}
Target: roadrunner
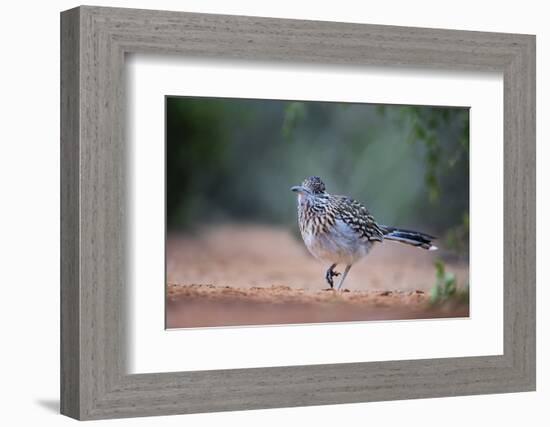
{"x": 340, "y": 230}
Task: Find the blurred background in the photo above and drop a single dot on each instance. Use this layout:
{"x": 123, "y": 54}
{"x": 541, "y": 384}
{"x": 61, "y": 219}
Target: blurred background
{"x": 234, "y": 160}
{"x": 234, "y": 254}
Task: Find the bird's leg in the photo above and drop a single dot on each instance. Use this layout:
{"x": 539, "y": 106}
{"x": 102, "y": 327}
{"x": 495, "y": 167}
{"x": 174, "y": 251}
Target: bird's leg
{"x": 330, "y": 274}
{"x": 344, "y": 276}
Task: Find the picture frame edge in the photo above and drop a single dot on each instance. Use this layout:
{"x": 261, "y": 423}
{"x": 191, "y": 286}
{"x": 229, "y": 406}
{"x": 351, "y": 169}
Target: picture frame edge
{"x": 94, "y": 384}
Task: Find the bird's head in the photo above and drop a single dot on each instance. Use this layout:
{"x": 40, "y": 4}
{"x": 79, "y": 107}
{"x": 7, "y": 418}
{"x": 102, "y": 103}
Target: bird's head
{"x": 311, "y": 187}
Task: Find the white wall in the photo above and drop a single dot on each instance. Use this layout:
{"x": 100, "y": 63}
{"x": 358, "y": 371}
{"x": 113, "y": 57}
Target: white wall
{"x": 29, "y": 233}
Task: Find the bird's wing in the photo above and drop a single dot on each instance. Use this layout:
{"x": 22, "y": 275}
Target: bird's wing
{"x": 357, "y": 217}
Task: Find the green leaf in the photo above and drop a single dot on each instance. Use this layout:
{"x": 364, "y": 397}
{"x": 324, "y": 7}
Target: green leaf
{"x": 445, "y": 286}
{"x": 440, "y": 269}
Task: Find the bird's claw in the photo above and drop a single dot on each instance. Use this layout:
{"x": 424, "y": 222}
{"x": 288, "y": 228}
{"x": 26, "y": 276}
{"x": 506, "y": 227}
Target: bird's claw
{"x": 330, "y": 274}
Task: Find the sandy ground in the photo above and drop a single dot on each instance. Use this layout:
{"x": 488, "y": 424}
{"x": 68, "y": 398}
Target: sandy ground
{"x": 251, "y": 275}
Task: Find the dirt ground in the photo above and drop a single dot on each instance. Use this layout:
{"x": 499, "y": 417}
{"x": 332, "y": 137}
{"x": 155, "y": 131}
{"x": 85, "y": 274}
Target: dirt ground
{"x": 257, "y": 275}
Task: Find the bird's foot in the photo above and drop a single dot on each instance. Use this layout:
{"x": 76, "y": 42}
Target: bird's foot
{"x": 330, "y": 274}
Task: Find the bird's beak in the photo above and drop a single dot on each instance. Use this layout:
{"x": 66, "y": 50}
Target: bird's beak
{"x": 298, "y": 189}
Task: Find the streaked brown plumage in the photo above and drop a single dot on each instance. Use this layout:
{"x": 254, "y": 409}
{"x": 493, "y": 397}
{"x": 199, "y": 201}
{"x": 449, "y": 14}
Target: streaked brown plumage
{"x": 340, "y": 230}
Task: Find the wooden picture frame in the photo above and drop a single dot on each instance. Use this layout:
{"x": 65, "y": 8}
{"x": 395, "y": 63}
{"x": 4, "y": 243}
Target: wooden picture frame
{"x": 94, "y": 382}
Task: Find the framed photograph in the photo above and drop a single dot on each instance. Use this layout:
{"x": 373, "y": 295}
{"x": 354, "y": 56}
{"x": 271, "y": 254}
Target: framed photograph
{"x": 241, "y": 249}
{"x": 262, "y": 213}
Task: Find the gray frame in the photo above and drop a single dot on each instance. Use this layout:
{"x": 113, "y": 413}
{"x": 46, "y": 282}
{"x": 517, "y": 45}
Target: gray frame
{"x": 94, "y": 41}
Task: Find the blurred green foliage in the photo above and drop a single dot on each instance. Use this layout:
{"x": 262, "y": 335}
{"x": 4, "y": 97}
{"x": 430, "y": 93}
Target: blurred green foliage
{"x": 427, "y": 126}
{"x": 445, "y": 289}
{"x": 445, "y": 285}
{"x": 235, "y": 160}
{"x": 294, "y": 113}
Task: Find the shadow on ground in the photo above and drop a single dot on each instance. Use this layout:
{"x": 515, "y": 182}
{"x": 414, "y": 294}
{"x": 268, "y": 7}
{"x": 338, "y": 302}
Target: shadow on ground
{"x": 52, "y": 405}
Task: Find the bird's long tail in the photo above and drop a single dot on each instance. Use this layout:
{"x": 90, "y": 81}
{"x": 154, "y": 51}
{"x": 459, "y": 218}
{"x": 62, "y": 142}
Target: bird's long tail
{"x": 414, "y": 238}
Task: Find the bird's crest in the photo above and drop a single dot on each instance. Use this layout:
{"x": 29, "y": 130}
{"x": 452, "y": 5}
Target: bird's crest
{"x": 314, "y": 184}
